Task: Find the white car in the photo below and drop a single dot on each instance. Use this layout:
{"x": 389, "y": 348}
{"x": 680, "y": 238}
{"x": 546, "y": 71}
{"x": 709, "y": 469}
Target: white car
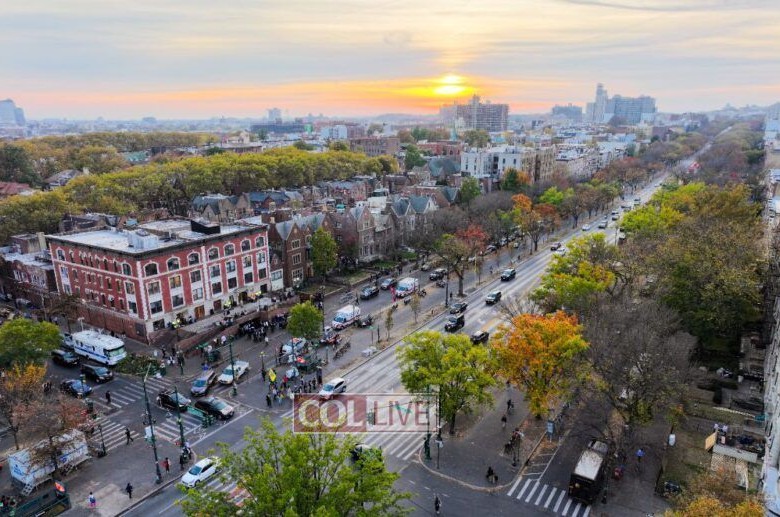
{"x": 227, "y": 373}
{"x": 585, "y": 227}
{"x": 200, "y": 472}
{"x": 333, "y": 388}
{"x": 561, "y": 251}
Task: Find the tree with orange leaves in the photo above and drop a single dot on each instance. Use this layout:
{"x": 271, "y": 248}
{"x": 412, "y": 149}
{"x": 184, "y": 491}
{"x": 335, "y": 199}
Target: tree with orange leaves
{"x": 21, "y": 392}
{"x": 530, "y": 220}
{"x": 544, "y": 354}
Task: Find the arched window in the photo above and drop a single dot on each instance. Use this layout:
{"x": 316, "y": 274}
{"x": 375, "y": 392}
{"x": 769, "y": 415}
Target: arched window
{"x": 150, "y": 269}
{"x": 259, "y": 242}
{"x": 60, "y": 255}
{"x": 245, "y": 245}
{"x": 173, "y": 264}
{"x": 229, "y": 249}
{"x": 126, "y": 269}
{"x": 213, "y": 254}
{"x": 193, "y": 258}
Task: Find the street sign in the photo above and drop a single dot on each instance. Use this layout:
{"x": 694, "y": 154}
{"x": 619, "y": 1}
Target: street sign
{"x": 550, "y": 427}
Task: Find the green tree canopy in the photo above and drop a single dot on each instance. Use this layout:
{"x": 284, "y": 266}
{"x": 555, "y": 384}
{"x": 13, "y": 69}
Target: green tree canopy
{"x": 413, "y": 157}
{"x": 24, "y": 341}
{"x": 469, "y": 190}
{"x": 305, "y": 321}
{"x": 476, "y": 137}
{"x": 460, "y": 370}
{"x": 552, "y": 196}
{"x": 290, "y": 474}
{"x": 324, "y": 251}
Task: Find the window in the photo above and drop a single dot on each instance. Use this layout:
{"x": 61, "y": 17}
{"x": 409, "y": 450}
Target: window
{"x": 111, "y": 301}
{"x": 116, "y": 267}
{"x": 197, "y": 293}
{"x": 64, "y": 272}
{"x": 126, "y": 269}
{"x": 259, "y": 242}
{"x": 155, "y": 307}
{"x": 261, "y": 257}
{"x": 132, "y": 307}
{"x": 245, "y": 245}
{"x": 150, "y": 269}
{"x": 70, "y": 254}
{"x": 232, "y": 282}
{"x": 60, "y": 255}
{"x": 153, "y": 288}
{"x": 193, "y": 258}
{"x": 173, "y": 264}
{"x": 229, "y": 249}
{"x": 248, "y": 278}
{"x": 247, "y": 261}
{"x": 216, "y": 287}
{"x": 130, "y": 288}
{"x": 295, "y": 244}
{"x": 119, "y": 287}
{"x": 175, "y": 281}
{"x": 213, "y": 254}
{"x": 177, "y": 300}
{"x": 195, "y": 276}
{"x": 121, "y": 304}
{"x": 214, "y": 271}
{"x": 296, "y": 259}
{"x": 276, "y": 275}
{"x": 103, "y": 299}
{"x": 230, "y": 266}
{"x": 105, "y": 264}
{"x": 108, "y": 284}
{"x": 261, "y": 273}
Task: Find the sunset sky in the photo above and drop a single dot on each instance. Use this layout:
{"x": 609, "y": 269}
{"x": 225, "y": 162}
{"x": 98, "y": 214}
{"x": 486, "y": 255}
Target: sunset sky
{"x": 198, "y": 59}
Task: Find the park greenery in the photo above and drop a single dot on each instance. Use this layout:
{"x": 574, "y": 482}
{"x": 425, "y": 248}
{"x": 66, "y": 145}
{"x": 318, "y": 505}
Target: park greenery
{"x": 324, "y": 252}
{"x": 24, "y": 341}
{"x": 285, "y": 474}
{"x": 305, "y": 321}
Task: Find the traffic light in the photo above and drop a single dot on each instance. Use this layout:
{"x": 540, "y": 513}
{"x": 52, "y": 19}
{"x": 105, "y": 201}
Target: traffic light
{"x": 208, "y": 420}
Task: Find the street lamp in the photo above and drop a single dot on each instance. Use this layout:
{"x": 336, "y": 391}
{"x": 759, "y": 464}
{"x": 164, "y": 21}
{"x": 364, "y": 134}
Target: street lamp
{"x": 447, "y": 291}
{"x": 178, "y": 416}
{"x": 158, "y": 479}
{"x": 102, "y": 441}
{"x": 234, "y": 391}
{"x": 262, "y": 360}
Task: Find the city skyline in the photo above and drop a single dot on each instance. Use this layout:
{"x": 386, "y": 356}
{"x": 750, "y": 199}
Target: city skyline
{"x": 177, "y": 60}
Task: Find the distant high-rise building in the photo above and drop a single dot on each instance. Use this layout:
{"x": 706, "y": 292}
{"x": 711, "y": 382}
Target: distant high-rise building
{"x": 571, "y": 112}
{"x": 274, "y": 114}
{"x": 10, "y": 115}
{"x": 479, "y": 115}
{"x": 630, "y": 110}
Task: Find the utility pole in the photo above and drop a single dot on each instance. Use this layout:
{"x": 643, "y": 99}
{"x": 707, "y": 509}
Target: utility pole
{"x": 234, "y": 391}
{"x": 158, "y": 480}
{"x": 178, "y": 416}
{"x": 447, "y": 291}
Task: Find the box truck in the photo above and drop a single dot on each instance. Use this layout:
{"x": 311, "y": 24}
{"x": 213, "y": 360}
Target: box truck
{"x": 406, "y": 286}
{"x": 30, "y": 468}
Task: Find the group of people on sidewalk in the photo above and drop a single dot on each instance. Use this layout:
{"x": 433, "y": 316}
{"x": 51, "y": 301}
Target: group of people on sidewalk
{"x": 287, "y": 388}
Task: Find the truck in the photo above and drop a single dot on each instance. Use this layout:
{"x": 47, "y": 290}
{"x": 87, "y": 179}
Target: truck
{"x": 589, "y": 474}
{"x": 101, "y": 348}
{"x": 406, "y": 286}
{"x": 345, "y": 317}
{"x": 28, "y": 470}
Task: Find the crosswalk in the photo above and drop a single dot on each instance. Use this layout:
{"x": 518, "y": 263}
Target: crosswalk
{"x": 531, "y": 491}
{"x": 125, "y": 391}
{"x": 113, "y": 434}
{"x": 169, "y": 428}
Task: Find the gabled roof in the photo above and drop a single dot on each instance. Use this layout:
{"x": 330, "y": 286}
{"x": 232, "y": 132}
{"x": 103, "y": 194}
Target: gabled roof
{"x": 63, "y": 177}
{"x": 401, "y": 207}
{"x": 313, "y": 221}
{"x": 284, "y": 229}
{"x": 443, "y": 166}
{"x": 10, "y": 188}
{"x": 450, "y": 193}
{"x": 419, "y": 204}
{"x": 275, "y": 195}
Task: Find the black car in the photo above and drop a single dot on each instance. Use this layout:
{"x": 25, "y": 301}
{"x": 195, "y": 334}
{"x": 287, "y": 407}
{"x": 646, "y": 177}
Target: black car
{"x": 369, "y": 292}
{"x": 437, "y": 274}
{"x": 455, "y": 323}
{"x": 202, "y": 384}
{"x": 387, "y": 283}
{"x": 215, "y": 407}
{"x": 365, "y": 321}
{"x": 555, "y": 246}
{"x": 480, "y": 336}
{"x": 493, "y": 297}
{"x": 508, "y": 274}
{"x": 64, "y": 358}
{"x": 76, "y": 388}
{"x": 458, "y": 307}
{"x": 97, "y": 373}
{"x": 169, "y": 399}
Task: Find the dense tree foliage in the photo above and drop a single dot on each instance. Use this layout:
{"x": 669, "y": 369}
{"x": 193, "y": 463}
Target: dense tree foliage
{"x": 305, "y": 321}
{"x": 24, "y": 341}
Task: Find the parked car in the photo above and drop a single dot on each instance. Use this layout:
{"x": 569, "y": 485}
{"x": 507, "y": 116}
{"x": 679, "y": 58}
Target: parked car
{"x": 555, "y": 245}
{"x": 585, "y": 227}
{"x": 561, "y": 251}
{"x": 97, "y": 373}
{"x": 387, "y": 283}
{"x": 227, "y": 374}
{"x": 365, "y": 321}
{"x": 508, "y": 274}
{"x": 615, "y": 217}
{"x": 64, "y": 358}
{"x": 169, "y": 399}
{"x": 75, "y": 388}
{"x": 458, "y": 307}
{"x": 200, "y": 472}
{"x": 215, "y": 407}
{"x": 480, "y": 336}
{"x": 333, "y": 387}
{"x": 493, "y": 297}
{"x": 295, "y": 346}
{"x": 455, "y": 323}
{"x": 425, "y": 267}
{"x": 204, "y": 382}
{"x": 369, "y": 292}
{"x": 437, "y": 274}
{"x": 603, "y": 224}
{"x": 490, "y": 249}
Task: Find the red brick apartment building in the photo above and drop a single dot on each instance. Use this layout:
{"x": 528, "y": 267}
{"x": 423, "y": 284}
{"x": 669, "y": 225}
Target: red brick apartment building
{"x": 141, "y": 280}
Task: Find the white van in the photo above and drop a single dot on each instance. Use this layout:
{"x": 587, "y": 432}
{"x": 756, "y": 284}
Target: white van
{"x": 406, "y": 286}
{"x": 345, "y": 317}
{"x": 101, "y": 348}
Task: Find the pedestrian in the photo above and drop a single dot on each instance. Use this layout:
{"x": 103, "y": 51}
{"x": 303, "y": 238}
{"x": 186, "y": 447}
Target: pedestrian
{"x": 268, "y": 400}
{"x": 182, "y": 461}
{"x": 129, "y": 490}
{"x": 503, "y": 421}
{"x": 640, "y": 453}
{"x": 436, "y": 504}
{"x": 128, "y": 436}
{"x": 509, "y": 406}
{"x": 92, "y": 501}
{"x": 167, "y": 465}
{"x": 266, "y": 340}
{"x": 108, "y": 398}
{"x": 262, "y": 374}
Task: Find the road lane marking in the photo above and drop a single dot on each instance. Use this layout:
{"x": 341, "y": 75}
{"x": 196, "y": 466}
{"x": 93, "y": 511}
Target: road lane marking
{"x": 514, "y": 486}
{"x": 531, "y": 492}
{"x": 541, "y": 495}
{"x": 549, "y": 499}
{"x": 525, "y": 487}
{"x": 559, "y": 501}
{"x": 566, "y": 508}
